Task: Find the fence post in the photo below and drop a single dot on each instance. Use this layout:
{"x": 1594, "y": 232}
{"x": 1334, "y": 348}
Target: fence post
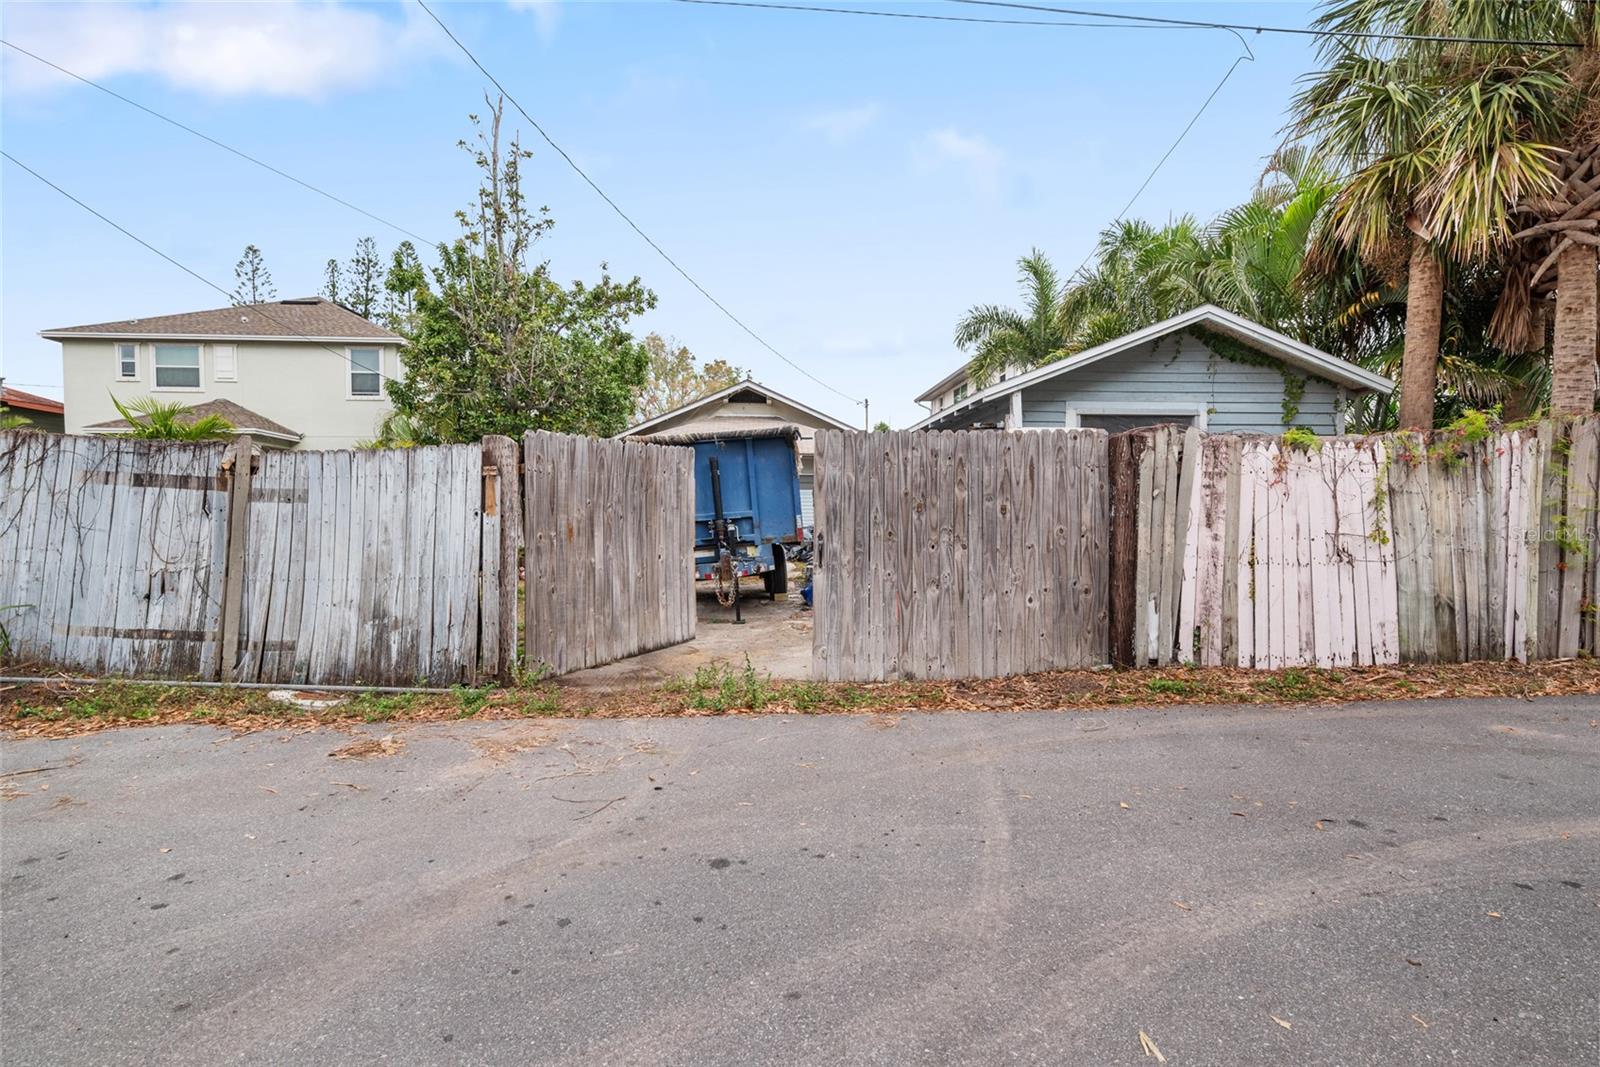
{"x": 502, "y": 454}
{"x": 1123, "y": 470}
{"x": 238, "y": 468}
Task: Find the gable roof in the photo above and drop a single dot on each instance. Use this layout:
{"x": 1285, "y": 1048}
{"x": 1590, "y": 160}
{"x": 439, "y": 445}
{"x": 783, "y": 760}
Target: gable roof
{"x": 244, "y": 421}
{"x": 723, "y": 394}
{"x": 16, "y": 398}
{"x": 309, "y": 318}
{"x": 1280, "y": 346}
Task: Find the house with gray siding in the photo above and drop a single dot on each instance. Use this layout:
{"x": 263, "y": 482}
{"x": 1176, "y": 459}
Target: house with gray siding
{"x": 1207, "y": 368}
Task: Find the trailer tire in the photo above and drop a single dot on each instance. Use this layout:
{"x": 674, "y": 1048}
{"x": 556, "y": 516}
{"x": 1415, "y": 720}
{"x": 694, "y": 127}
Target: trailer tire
{"x": 777, "y": 579}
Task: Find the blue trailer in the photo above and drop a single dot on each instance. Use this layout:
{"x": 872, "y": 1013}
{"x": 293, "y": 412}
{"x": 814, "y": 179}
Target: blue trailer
{"x": 746, "y": 500}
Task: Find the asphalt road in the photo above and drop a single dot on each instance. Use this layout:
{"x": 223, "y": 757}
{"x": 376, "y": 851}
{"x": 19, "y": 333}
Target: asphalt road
{"x": 1397, "y": 883}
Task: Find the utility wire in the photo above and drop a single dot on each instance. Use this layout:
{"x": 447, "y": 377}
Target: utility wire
{"x": 1248, "y": 56}
{"x": 918, "y": 15}
{"x": 1303, "y": 31}
{"x": 623, "y": 214}
{"x": 254, "y": 308}
{"x": 152, "y": 112}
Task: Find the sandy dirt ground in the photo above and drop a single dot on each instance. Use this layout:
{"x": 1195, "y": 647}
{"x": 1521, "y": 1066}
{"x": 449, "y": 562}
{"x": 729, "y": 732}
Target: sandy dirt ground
{"x": 776, "y": 635}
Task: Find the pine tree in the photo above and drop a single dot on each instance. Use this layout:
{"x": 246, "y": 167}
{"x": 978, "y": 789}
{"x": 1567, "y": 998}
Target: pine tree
{"x": 363, "y": 278}
{"x": 254, "y": 281}
{"x": 330, "y": 280}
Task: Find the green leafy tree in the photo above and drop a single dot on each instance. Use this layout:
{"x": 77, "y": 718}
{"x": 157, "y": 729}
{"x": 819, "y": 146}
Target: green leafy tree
{"x": 150, "y": 419}
{"x": 880, "y": 427}
{"x": 675, "y": 378}
{"x": 399, "y": 299}
{"x": 252, "y": 280}
{"x": 497, "y": 346}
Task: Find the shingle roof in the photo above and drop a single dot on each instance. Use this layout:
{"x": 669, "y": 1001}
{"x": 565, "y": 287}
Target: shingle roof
{"x": 16, "y": 398}
{"x": 303, "y": 317}
{"x": 242, "y": 418}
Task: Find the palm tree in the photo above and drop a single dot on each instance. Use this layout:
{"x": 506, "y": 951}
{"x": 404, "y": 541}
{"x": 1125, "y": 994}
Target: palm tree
{"x": 151, "y": 420}
{"x": 1002, "y": 337}
{"x": 1367, "y": 117}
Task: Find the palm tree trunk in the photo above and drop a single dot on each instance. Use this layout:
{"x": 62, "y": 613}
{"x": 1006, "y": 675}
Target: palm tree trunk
{"x": 1572, "y": 357}
{"x": 1419, "y": 366}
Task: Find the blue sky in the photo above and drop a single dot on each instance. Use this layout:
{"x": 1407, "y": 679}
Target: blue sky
{"x": 848, "y": 186}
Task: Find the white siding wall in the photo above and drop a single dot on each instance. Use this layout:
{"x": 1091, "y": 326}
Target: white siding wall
{"x": 299, "y": 384}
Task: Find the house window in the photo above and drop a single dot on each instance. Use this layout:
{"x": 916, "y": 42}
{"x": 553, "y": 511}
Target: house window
{"x": 127, "y": 362}
{"x": 961, "y": 393}
{"x": 225, "y": 363}
{"x": 365, "y": 374}
{"x": 177, "y": 366}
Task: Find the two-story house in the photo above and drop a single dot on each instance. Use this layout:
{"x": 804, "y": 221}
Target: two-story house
{"x": 302, "y": 373}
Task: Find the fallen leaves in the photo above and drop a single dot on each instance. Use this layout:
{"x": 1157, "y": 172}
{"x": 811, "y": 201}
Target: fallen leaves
{"x": 1181, "y": 904}
{"x": 1282, "y": 1022}
{"x": 1124, "y": 805}
{"x": 1494, "y": 915}
{"x": 44, "y": 709}
{"x": 1150, "y": 1048}
{"x": 370, "y": 747}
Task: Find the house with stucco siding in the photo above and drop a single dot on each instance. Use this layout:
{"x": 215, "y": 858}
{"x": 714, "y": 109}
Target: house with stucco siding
{"x": 300, "y": 373}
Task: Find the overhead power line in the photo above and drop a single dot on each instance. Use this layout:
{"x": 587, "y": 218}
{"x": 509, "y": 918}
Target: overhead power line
{"x": 1303, "y": 31}
{"x": 623, "y": 215}
{"x": 1246, "y": 58}
{"x": 153, "y": 113}
{"x": 919, "y": 16}
{"x": 196, "y": 275}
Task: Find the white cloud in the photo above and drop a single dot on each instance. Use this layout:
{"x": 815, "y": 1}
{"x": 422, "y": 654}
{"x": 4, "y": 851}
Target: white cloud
{"x": 984, "y": 163}
{"x": 546, "y": 14}
{"x": 844, "y": 124}
{"x": 288, "y": 49}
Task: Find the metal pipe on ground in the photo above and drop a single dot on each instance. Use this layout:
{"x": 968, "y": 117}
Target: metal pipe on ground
{"x": 59, "y": 679}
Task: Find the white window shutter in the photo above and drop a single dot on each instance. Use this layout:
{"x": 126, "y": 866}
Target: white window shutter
{"x": 225, "y": 363}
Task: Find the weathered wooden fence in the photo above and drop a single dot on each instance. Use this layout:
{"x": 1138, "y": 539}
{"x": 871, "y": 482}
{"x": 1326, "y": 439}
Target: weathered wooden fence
{"x": 956, "y": 555}
{"x": 609, "y": 541}
{"x": 1396, "y": 548}
{"x": 111, "y": 553}
{"x": 395, "y": 567}
{"x": 365, "y": 567}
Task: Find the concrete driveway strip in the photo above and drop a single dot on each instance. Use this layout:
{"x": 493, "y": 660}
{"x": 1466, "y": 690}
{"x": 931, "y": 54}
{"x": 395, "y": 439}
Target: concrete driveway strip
{"x": 1410, "y": 883}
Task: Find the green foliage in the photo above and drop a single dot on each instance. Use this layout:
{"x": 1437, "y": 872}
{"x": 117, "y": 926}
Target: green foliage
{"x": 1301, "y": 439}
{"x": 363, "y": 279}
{"x": 495, "y": 345}
{"x": 880, "y": 427}
{"x": 252, "y": 280}
{"x": 1169, "y": 686}
{"x": 674, "y": 378}
{"x": 150, "y": 419}
{"x": 9, "y": 420}
{"x": 1002, "y": 338}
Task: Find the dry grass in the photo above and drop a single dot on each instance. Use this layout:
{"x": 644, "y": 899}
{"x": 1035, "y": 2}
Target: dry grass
{"x": 60, "y": 709}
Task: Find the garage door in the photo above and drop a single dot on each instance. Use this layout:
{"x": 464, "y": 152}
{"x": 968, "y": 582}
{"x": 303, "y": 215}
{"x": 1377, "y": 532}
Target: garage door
{"x": 805, "y": 501}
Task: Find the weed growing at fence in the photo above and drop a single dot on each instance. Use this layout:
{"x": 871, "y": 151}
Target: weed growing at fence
{"x": 472, "y": 700}
{"x": 381, "y": 707}
{"x": 1169, "y": 685}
